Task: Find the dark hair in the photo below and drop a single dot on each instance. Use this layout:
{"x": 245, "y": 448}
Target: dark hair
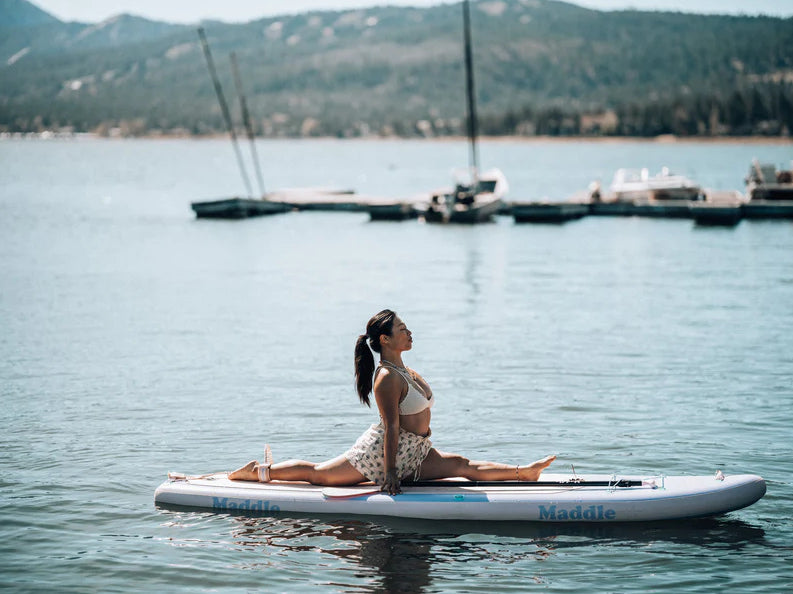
{"x": 380, "y": 323}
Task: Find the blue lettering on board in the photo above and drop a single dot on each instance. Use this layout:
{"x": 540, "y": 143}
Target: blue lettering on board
{"x": 257, "y": 505}
{"x": 578, "y": 512}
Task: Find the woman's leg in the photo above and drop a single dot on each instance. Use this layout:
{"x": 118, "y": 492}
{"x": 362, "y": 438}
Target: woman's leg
{"x": 335, "y": 472}
{"x": 439, "y": 465}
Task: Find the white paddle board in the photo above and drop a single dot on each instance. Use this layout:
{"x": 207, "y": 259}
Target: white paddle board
{"x": 556, "y": 498}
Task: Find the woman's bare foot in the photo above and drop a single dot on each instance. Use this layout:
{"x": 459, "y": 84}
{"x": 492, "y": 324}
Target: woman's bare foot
{"x": 532, "y": 471}
{"x": 249, "y": 472}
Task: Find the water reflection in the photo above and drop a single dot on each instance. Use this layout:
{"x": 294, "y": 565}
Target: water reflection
{"x": 473, "y": 271}
{"x": 394, "y": 562}
{"x": 403, "y": 555}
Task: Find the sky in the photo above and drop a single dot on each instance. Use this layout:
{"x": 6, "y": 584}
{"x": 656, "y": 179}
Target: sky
{"x": 235, "y": 11}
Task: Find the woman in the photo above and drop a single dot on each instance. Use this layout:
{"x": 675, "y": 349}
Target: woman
{"x": 398, "y": 447}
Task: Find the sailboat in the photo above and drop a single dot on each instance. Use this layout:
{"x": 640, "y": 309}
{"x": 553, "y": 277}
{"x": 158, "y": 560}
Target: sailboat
{"x": 236, "y": 207}
{"x": 477, "y": 198}
{"x": 267, "y": 203}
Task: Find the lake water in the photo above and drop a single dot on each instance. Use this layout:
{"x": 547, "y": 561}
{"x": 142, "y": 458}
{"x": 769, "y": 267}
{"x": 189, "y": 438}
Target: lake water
{"x": 135, "y": 340}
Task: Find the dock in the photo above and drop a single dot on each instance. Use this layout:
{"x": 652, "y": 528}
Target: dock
{"x": 768, "y": 209}
{"x": 548, "y": 212}
{"x": 393, "y": 211}
{"x": 724, "y": 206}
{"x": 237, "y": 208}
{"x": 321, "y": 199}
{"x": 718, "y": 208}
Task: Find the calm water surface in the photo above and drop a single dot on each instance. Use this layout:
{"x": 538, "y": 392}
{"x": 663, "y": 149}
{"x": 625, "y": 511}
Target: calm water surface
{"x": 135, "y": 340}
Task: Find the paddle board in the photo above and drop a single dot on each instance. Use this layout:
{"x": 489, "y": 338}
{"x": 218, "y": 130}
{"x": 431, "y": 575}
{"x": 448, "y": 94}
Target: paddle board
{"x": 557, "y": 498}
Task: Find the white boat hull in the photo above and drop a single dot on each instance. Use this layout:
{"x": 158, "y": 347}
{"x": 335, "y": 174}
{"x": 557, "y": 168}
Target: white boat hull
{"x": 483, "y": 205}
{"x": 637, "y": 185}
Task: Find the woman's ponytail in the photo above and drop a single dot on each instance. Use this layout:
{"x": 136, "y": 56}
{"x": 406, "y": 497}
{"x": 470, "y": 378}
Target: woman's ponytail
{"x": 379, "y": 324}
{"x": 364, "y": 369}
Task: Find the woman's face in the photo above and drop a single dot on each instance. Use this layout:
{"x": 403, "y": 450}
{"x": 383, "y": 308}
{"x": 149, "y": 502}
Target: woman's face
{"x": 401, "y": 338}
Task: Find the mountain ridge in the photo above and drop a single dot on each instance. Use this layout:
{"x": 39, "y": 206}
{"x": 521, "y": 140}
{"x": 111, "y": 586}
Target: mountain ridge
{"x": 387, "y": 70}
{"x": 21, "y": 13}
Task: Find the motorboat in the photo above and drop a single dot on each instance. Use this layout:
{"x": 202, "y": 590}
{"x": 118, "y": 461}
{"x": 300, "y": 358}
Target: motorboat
{"x": 637, "y": 185}
{"x": 766, "y": 182}
{"x": 478, "y": 196}
{"x": 472, "y": 201}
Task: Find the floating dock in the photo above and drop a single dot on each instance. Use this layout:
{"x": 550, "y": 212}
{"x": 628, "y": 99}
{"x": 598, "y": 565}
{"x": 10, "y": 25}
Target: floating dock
{"x": 237, "y": 208}
{"x": 325, "y": 200}
{"x": 720, "y": 208}
{"x": 393, "y": 211}
{"x": 768, "y": 209}
{"x": 548, "y": 212}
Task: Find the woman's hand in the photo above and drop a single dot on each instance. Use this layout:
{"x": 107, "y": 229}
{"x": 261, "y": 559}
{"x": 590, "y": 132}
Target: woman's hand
{"x": 391, "y": 483}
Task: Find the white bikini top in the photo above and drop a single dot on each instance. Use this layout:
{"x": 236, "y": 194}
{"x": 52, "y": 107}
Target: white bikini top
{"x": 414, "y": 401}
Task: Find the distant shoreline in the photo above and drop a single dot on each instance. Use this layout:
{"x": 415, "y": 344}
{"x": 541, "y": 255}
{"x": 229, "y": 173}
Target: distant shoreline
{"x": 638, "y": 139}
{"x": 665, "y": 139}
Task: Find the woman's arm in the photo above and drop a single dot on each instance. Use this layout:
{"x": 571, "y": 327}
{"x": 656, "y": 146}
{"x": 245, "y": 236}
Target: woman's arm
{"x": 388, "y": 389}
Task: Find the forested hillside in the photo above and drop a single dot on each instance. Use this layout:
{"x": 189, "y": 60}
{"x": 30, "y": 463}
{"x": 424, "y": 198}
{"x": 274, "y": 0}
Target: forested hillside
{"x": 542, "y": 67}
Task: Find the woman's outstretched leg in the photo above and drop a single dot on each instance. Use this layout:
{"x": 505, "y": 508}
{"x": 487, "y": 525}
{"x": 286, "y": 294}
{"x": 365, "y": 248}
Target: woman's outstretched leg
{"x": 332, "y": 473}
{"x": 439, "y": 465}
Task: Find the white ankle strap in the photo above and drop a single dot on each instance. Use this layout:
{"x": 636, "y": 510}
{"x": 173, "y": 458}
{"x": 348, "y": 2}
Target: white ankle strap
{"x": 264, "y": 467}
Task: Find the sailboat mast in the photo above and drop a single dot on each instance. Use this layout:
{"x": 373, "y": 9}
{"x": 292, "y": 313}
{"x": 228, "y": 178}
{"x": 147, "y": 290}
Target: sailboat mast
{"x": 471, "y": 91}
{"x": 224, "y": 108}
{"x": 246, "y": 120}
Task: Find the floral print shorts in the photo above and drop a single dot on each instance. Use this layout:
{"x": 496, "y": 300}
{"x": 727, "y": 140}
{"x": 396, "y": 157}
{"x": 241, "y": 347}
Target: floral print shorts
{"x": 366, "y": 455}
